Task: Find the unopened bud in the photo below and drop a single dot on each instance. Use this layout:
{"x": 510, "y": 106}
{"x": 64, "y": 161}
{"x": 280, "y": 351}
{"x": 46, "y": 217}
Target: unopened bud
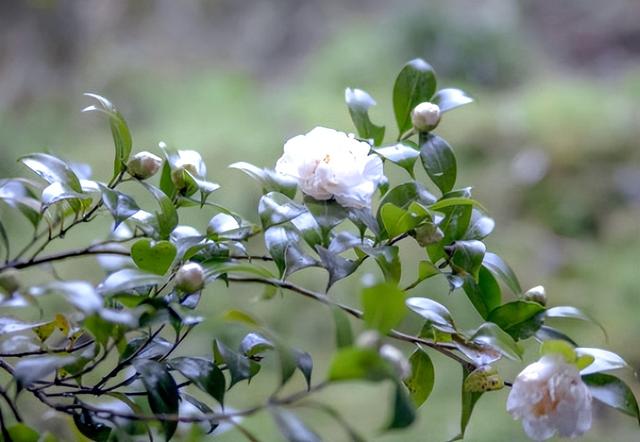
{"x": 483, "y": 378}
{"x": 537, "y": 294}
{"x": 9, "y": 281}
{"x": 425, "y": 116}
{"x": 428, "y": 234}
{"x": 144, "y": 165}
{"x": 190, "y": 277}
{"x": 369, "y": 339}
{"x": 397, "y": 359}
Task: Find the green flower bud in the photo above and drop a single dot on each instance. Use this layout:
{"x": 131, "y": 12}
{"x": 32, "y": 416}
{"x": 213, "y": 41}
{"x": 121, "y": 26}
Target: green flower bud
{"x": 483, "y": 378}
{"x": 144, "y": 165}
{"x": 190, "y": 277}
{"x": 9, "y": 281}
{"x": 537, "y": 294}
{"x": 425, "y": 116}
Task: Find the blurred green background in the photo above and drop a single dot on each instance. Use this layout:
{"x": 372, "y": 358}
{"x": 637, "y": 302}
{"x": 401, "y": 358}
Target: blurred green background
{"x": 550, "y": 146}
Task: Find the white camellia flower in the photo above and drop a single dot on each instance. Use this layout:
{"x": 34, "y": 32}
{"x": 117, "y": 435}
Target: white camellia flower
{"x": 328, "y": 163}
{"x": 550, "y": 398}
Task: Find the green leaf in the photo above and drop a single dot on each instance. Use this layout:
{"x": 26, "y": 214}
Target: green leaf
{"x": 352, "y": 363}
{"x": 120, "y": 205}
{"x": 240, "y": 367}
{"x": 613, "y": 392}
{"x": 403, "y": 195}
{"x": 397, "y": 221}
{"x": 16, "y": 194}
{"x": 337, "y": 266}
{"x": 204, "y": 408}
{"x": 403, "y": 154}
{"x": 304, "y": 363}
{"x": 162, "y": 391}
{"x": 433, "y": 312}
{"x": 549, "y": 333}
{"x": 57, "y": 192}
{"x": 388, "y": 260}
{"x": 275, "y": 208}
{"x": 119, "y": 130}
{"x": 570, "y": 312}
{"x": 168, "y": 216}
{"x": 52, "y": 170}
{"x": 96, "y": 431}
{"x": 485, "y": 294}
{"x": 449, "y": 202}
{"x": 271, "y": 181}
{"x": 559, "y": 347}
{"x": 344, "y": 334}
{"x": 480, "y": 225}
{"x": 27, "y": 371}
{"x": 415, "y": 83}
{"x": 492, "y": 335}
{"x": 521, "y": 319}
{"x": 204, "y": 374}
{"x": 426, "y": 270}
{"x": 240, "y": 316}
{"x": 154, "y": 257}
{"x": 603, "y": 360}
{"x": 469, "y": 400}
{"x": 277, "y": 239}
{"x": 254, "y": 343}
{"x": 292, "y": 428}
{"x": 19, "y": 432}
{"x": 420, "y": 383}
{"x": 501, "y": 270}
{"x": 128, "y": 279}
{"x": 404, "y": 412}
{"x": 359, "y": 102}
{"x": 451, "y": 98}
{"x": 328, "y": 213}
{"x": 383, "y": 306}
{"x": 467, "y": 257}
{"x": 438, "y": 161}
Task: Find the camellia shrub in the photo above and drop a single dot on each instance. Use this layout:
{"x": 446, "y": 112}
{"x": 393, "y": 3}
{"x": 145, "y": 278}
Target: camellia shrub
{"x": 106, "y": 358}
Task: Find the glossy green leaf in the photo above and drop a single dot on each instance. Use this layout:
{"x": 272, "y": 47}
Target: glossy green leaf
{"x": 28, "y": 371}
{"x": 420, "y": 383}
{"x": 52, "y": 170}
{"x": 383, "y": 306}
{"x": 162, "y": 391}
{"x": 204, "y": 409}
{"x": 613, "y": 392}
{"x": 501, "y": 270}
{"x": 277, "y": 239}
{"x": 549, "y": 333}
{"x": 168, "y": 216}
{"x": 119, "y": 131}
{"x": 426, "y": 270}
{"x": 404, "y": 412}
{"x": 397, "y": 221}
{"x": 521, "y": 319}
{"x": 57, "y": 192}
{"x": 455, "y": 223}
{"x": 467, "y": 256}
{"x": 275, "y": 208}
{"x": 603, "y": 360}
{"x": 337, "y": 266}
{"x": 433, "y": 312}
{"x": 128, "y": 279}
{"x": 254, "y": 343}
{"x": 240, "y": 367}
{"x": 415, "y": 83}
{"x": 438, "y": 161}
{"x": 569, "y": 312}
{"x": 403, "y": 195}
{"x": 469, "y": 400}
{"x": 451, "y": 98}
{"x": 271, "y": 181}
{"x": 292, "y": 428}
{"x": 351, "y": 363}
{"x": 484, "y": 294}
{"x": 387, "y": 258}
{"x": 480, "y": 225}
{"x": 328, "y": 213}
{"x": 20, "y": 432}
{"x": 204, "y": 374}
{"x": 120, "y": 205}
{"x": 96, "y": 431}
{"x": 492, "y": 335}
{"x": 154, "y": 257}
{"x": 403, "y": 154}
{"x": 304, "y": 363}
{"x": 359, "y": 102}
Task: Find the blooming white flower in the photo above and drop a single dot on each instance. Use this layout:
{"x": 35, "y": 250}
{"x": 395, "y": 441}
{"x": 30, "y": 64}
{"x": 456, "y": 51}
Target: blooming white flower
{"x": 550, "y": 398}
{"x": 327, "y": 163}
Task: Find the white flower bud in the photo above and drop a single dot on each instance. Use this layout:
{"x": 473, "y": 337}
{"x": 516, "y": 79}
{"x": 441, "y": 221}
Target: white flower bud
{"x": 397, "y": 359}
{"x": 551, "y": 399}
{"x": 537, "y": 294}
{"x": 190, "y": 277}
{"x": 144, "y": 165}
{"x": 425, "y": 116}
{"x": 9, "y": 281}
